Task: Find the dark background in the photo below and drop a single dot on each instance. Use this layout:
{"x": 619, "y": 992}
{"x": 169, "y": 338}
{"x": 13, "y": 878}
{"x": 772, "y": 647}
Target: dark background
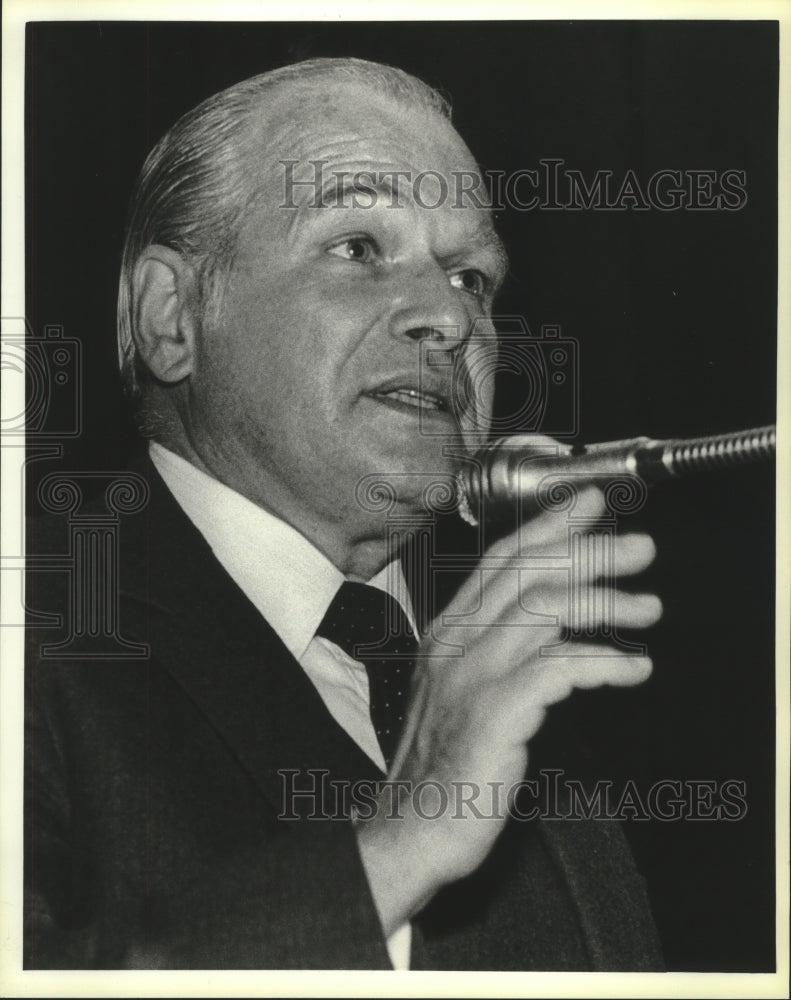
{"x": 674, "y": 313}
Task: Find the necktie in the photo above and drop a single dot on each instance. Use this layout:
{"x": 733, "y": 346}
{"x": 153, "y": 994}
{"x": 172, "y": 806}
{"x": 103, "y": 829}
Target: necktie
{"x": 371, "y": 627}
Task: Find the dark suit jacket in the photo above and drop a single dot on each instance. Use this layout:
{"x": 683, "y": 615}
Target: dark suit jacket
{"x": 153, "y": 795}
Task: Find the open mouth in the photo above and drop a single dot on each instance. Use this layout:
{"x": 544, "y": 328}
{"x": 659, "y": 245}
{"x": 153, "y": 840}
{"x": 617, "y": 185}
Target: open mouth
{"x": 417, "y": 399}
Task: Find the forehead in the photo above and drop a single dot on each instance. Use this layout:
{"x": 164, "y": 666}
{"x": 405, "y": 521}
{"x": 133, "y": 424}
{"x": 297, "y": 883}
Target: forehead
{"x": 335, "y": 118}
{"x": 348, "y": 128}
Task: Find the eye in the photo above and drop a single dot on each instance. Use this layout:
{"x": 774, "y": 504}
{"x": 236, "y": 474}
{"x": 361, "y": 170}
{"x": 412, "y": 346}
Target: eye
{"x": 360, "y": 249}
{"x": 470, "y": 281}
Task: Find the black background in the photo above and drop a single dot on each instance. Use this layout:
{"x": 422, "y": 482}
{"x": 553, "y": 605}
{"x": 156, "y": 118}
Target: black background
{"x": 674, "y": 313}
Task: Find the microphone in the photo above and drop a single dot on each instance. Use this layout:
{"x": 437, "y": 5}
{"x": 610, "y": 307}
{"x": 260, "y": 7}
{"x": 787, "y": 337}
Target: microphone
{"x": 514, "y": 469}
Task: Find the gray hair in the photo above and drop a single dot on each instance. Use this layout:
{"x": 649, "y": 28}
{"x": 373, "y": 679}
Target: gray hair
{"x": 194, "y": 191}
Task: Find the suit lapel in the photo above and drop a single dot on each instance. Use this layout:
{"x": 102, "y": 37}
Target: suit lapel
{"x": 227, "y": 658}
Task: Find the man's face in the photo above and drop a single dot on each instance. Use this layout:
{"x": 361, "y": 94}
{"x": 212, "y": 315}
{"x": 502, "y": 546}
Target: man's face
{"x": 333, "y": 355}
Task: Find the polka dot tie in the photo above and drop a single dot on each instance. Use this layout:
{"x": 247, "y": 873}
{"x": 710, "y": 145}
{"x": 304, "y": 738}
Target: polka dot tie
{"x": 371, "y": 627}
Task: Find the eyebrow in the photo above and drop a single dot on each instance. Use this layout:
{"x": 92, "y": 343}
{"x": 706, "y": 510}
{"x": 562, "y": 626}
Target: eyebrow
{"x": 341, "y": 184}
{"x": 491, "y": 242}
{"x": 337, "y": 189}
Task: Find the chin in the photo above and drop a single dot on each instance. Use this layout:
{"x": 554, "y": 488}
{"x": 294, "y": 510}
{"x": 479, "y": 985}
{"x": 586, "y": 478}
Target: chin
{"x": 408, "y": 491}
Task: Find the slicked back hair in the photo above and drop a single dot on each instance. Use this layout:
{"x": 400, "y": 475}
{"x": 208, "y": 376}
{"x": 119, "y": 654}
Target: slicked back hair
{"x": 195, "y": 189}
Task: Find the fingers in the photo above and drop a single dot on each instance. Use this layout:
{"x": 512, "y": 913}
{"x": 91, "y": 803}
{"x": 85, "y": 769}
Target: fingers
{"x": 633, "y": 554}
{"x": 597, "y": 552}
{"x": 603, "y": 606}
{"x": 528, "y": 569}
{"x": 546, "y": 529}
{"x": 637, "y": 610}
{"x": 584, "y": 666}
{"x": 591, "y": 665}
{"x": 547, "y": 535}
{"x": 507, "y": 599}
{"x": 546, "y": 680}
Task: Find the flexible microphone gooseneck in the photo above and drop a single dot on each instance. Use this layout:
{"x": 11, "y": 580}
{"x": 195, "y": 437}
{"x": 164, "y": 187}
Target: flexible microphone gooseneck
{"x": 513, "y": 469}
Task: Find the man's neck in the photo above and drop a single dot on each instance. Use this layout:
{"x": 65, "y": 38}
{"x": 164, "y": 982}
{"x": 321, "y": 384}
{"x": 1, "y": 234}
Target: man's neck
{"x": 359, "y": 557}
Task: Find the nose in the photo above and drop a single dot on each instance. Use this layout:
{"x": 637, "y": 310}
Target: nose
{"x": 431, "y": 309}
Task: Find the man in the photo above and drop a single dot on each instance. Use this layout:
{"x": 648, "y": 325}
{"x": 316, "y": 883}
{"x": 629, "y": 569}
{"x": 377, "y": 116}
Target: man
{"x": 285, "y": 348}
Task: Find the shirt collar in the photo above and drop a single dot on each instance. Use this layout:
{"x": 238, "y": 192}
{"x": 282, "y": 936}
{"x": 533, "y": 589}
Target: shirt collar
{"x": 284, "y": 575}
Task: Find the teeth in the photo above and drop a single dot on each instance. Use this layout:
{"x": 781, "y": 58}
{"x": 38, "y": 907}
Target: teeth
{"x": 414, "y": 398}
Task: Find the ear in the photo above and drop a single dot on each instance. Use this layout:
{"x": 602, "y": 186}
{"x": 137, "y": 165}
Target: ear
{"x": 166, "y": 308}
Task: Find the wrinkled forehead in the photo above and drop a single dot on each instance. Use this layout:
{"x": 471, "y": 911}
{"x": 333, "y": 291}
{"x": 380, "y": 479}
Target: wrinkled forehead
{"x": 307, "y": 117}
{"x": 312, "y": 139}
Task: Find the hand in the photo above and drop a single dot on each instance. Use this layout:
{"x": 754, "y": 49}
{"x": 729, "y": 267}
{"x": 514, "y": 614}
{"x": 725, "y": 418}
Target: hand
{"x": 471, "y": 717}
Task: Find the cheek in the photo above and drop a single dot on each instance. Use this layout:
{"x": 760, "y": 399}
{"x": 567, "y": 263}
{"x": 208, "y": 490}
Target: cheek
{"x": 256, "y": 344}
{"x": 298, "y": 338}
{"x": 474, "y": 389}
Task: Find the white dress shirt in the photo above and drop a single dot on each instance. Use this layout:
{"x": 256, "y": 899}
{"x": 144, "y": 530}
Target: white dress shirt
{"x": 292, "y": 584}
